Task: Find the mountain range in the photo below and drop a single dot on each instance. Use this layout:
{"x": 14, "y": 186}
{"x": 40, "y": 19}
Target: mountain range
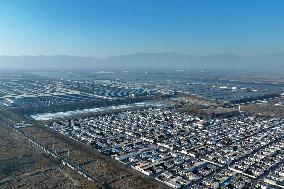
{"x": 273, "y": 63}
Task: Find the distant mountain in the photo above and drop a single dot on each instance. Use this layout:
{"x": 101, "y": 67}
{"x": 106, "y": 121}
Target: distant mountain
{"x": 171, "y": 61}
{"x": 146, "y": 61}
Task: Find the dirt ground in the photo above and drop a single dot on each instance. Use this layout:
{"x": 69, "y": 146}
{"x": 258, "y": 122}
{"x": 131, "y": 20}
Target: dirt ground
{"x": 23, "y": 166}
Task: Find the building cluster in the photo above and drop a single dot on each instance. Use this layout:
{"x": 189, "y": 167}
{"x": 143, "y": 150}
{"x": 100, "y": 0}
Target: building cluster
{"x": 42, "y": 93}
{"x": 262, "y": 160}
{"x": 112, "y": 88}
{"x": 182, "y": 150}
{"x": 224, "y": 90}
{"x": 224, "y": 178}
{"x": 275, "y": 177}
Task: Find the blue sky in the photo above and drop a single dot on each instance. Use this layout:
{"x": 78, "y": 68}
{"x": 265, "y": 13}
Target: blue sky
{"x": 112, "y": 27}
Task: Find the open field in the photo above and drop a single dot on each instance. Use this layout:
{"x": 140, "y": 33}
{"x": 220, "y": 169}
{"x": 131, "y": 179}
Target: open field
{"x": 271, "y": 108}
{"x": 23, "y": 166}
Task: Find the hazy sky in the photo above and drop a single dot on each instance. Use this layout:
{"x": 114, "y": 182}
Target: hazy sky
{"x": 111, "y": 27}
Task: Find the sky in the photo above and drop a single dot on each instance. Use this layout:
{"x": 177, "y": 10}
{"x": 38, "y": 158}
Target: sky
{"x": 103, "y": 28}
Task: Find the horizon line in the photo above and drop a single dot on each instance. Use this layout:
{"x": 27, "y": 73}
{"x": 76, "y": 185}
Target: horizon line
{"x": 136, "y": 53}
